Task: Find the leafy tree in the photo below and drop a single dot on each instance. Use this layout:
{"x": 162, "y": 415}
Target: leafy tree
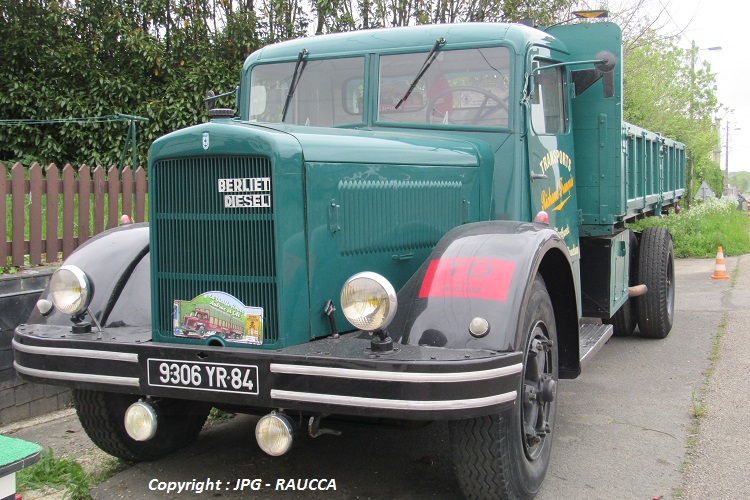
{"x": 347, "y": 15}
{"x": 741, "y": 180}
{"x": 157, "y": 58}
{"x": 88, "y": 58}
{"x": 665, "y": 92}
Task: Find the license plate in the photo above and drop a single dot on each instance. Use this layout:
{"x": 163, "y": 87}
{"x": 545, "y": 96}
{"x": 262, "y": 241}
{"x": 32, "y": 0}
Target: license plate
{"x": 197, "y": 375}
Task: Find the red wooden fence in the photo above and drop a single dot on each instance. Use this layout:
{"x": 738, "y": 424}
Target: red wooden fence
{"x": 24, "y": 193}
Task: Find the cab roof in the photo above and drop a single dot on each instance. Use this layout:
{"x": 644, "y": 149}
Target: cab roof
{"x": 406, "y": 39}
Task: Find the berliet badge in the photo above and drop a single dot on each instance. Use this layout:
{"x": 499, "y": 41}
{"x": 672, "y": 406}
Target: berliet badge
{"x": 205, "y": 140}
{"x": 254, "y": 192}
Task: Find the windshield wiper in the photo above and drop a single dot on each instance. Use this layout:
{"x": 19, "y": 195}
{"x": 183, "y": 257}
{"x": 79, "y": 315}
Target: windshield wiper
{"x": 295, "y": 80}
{"x": 425, "y": 65}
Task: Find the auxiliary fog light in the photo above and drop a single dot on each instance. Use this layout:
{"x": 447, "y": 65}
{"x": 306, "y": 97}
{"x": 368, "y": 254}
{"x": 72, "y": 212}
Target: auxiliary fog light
{"x": 368, "y": 301}
{"x": 44, "y": 306}
{"x": 140, "y": 421}
{"x": 274, "y": 434}
{"x": 70, "y": 289}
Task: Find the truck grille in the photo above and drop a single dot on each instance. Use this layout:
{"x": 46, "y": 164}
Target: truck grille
{"x": 198, "y": 245}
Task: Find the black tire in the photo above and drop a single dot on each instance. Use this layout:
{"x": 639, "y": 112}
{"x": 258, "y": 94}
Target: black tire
{"x": 497, "y": 456}
{"x": 102, "y": 415}
{"x": 625, "y": 319}
{"x": 201, "y": 330}
{"x": 655, "y": 309}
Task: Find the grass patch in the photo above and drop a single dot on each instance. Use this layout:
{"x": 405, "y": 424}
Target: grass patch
{"x": 77, "y": 478}
{"x": 700, "y": 230}
{"x": 217, "y": 415}
{"x": 699, "y": 406}
{"x": 108, "y": 468}
{"x": 57, "y": 473}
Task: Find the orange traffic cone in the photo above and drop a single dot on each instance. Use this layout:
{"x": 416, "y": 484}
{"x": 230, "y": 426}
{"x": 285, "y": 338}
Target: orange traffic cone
{"x": 720, "y": 272}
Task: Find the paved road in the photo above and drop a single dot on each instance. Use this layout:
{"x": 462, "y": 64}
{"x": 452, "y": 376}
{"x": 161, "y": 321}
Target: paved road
{"x": 621, "y": 432}
{"x": 624, "y": 424}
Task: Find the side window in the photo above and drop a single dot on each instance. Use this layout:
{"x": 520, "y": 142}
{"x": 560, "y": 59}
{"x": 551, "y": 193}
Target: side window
{"x": 548, "y": 101}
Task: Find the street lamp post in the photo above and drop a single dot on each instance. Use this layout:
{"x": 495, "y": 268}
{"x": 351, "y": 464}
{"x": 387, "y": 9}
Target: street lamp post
{"x": 693, "y": 54}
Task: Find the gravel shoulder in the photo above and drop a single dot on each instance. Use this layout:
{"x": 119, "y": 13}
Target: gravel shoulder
{"x": 720, "y": 458}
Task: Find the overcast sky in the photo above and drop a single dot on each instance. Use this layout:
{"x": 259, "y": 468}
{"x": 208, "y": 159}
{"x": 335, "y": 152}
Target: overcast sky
{"x": 712, "y": 23}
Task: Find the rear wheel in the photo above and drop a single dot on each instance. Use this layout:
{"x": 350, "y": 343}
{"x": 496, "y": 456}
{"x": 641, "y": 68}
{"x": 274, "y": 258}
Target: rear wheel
{"x": 102, "y": 415}
{"x": 656, "y": 271}
{"x": 506, "y": 456}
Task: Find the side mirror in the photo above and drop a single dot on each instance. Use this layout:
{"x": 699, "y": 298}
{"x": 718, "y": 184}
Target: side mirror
{"x": 603, "y": 68}
{"x": 606, "y": 62}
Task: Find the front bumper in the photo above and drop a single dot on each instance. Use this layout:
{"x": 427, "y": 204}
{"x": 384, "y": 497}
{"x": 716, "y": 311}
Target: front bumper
{"x": 330, "y": 376}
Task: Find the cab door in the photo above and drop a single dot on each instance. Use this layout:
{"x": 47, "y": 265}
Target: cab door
{"x": 550, "y": 147}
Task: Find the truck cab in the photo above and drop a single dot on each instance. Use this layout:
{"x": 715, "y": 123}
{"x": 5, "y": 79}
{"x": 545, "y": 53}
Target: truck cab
{"x": 195, "y": 322}
{"x": 402, "y": 223}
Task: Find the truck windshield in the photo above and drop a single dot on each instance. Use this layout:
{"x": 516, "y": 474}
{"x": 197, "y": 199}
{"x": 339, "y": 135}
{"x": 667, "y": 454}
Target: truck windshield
{"x": 329, "y": 92}
{"x": 461, "y": 87}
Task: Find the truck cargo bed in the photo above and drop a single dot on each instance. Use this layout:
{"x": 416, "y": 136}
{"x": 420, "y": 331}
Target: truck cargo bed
{"x": 654, "y": 171}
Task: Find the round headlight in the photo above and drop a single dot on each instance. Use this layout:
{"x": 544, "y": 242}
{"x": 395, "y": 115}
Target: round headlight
{"x": 275, "y": 434}
{"x": 140, "y": 421}
{"x": 368, "y": 301}
{"x": 70, "y": 290}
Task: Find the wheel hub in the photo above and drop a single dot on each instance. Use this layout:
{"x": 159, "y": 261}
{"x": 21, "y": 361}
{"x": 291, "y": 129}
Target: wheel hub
{"x": 539, "y": 391}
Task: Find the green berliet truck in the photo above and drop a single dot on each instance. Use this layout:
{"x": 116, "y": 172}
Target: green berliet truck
{"x": 420, "y": 223}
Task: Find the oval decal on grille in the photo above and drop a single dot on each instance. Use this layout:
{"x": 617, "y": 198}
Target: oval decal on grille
{"x": 218, "y": 313}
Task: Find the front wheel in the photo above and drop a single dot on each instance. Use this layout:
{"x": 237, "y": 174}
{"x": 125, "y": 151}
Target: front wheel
{"x": 102, "y": 415}
{"x": 506, "y": 456}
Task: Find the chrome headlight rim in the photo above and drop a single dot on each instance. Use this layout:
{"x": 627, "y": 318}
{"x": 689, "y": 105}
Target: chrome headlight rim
{"x": 274, "y": 434}
{"x": 388, "y": 294}
{"x": 141, "y": 422}
{"x": 81, "y": 280}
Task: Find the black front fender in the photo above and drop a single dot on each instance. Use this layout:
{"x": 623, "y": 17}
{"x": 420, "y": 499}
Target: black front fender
{"x": 117, "y": 264}
{"x": 483, "y": 270}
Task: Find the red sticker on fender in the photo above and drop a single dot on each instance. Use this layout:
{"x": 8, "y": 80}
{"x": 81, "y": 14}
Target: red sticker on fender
{"x": 468, "y": 277}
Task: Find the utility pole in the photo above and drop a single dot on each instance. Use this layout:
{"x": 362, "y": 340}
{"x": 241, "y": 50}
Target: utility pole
{"x": 726, "y": 159}
{"x": 726, "y": 164}
{"x": 691, "y": 195}
{"x": 693, "y": 54}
